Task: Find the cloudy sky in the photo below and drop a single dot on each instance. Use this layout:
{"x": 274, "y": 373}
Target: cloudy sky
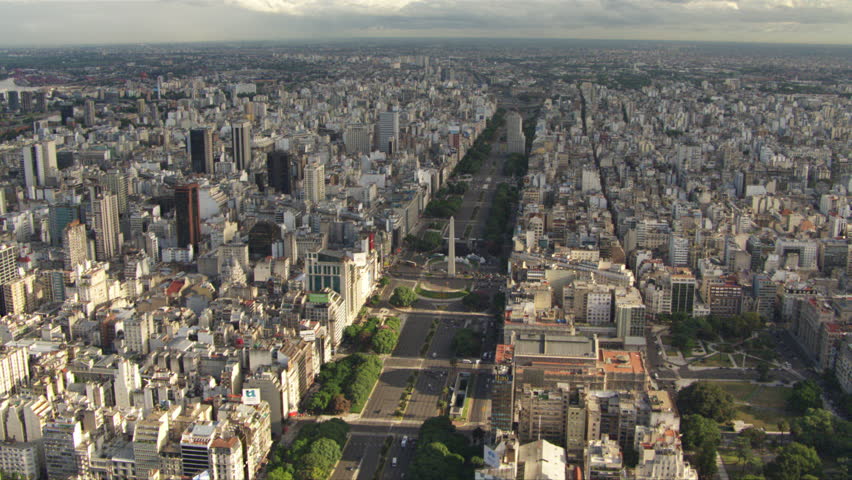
{"x": 51, "y": 22}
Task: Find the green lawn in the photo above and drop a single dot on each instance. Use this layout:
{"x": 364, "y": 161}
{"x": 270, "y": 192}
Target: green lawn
{"x": 717, "y": 360}
{"x": 759, "y": 405}
{"x": 440, "y": 295}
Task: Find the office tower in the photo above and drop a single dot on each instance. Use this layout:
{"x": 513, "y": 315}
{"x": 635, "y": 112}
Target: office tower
{"x": 516, "y": 141}
{"x": 59, "y": 216}
{"x": 451, "y": 249}
{"x": 388, "y": 131}
{"x": 279, "y": 171}
{"x": 27, "y": 101}
{"x": 314, "y": 183}
{"x": 356, "y": 138}
{"x": 8, "y": 263}
{"x": 39, "y": 162}
{"x": 75, "y": 245}
{"x": 66, "y": 112}
{"x": 201, "y": 150}
{"x": 89, "y": 113}
{"x": 195, "y": 448}
{"x": 682, "y": 286}
{"x": 116, "y": 183}
{"x": 188, "y": 216}
{"x": 106, "y": 227}
{"x": 13, "y": 98}
{"x": 40, "y": 101}
{"x": 241, "y": 144}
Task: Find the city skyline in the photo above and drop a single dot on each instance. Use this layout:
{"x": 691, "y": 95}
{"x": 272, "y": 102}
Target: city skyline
{"x": 59, "y": 22}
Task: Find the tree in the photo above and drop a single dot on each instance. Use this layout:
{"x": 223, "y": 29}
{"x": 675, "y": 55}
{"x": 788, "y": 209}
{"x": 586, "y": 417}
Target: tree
{"x": 806, "y": 394}
{"x": 279, "y": 473}
{"x": 327, "y": 449}
{"x": 755, "y": 436}
{"x": 339, "y": 404}
{"x": 384, "y": 281}
{"x": 384, "y": 341}
{"x": 794, "y": 461}
{"x": 705, "y": 463}
{"x": 403, "y": 297}
{"x": 708, "y": 400}
{"x": 700, "y": 432}
{"x": 743, "y": 449}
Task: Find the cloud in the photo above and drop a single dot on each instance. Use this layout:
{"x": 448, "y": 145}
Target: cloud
{"x": 810, "y": 21}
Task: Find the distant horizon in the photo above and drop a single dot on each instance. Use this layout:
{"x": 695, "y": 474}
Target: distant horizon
{"x": 411, "y": 39}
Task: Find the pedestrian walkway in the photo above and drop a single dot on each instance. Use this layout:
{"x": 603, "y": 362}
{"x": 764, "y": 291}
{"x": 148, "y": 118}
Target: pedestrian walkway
{"x": 722, "y": 474}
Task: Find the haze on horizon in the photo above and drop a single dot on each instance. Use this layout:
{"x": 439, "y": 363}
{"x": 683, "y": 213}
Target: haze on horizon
{"x": 57, "y": 22}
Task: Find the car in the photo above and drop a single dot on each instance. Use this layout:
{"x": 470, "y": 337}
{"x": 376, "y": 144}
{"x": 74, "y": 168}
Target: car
{"x": 466, "y": 360}
{"x": 393, "y": 462}
{"x": 404, "y": 441}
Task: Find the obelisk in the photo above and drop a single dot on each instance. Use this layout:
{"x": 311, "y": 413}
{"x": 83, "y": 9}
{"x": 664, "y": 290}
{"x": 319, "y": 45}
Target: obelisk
{"x": 451, "y": 251}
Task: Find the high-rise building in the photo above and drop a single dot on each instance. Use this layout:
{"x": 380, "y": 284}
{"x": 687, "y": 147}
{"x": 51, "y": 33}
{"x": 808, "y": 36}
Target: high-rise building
{"x": 62, "y": 455}
{"x": 75, "y": 245}
{"x": 89, "y": 113}
{"x": 682, "y": 286}
{"x": 106, "y": 227}
{"x": 27, "y": 101}
{"x": 388, "y": 131}
{"x": 356, "y": 138}
{"x": 8, "y": 263}
{"x": 279, "y": 171}
{"x": 13, "y": 99}
{"x": 116, "y": 183}
{"x": 195, "y": 448}
{"x": 678, "y": 254}
{"x": 59, "y": 216}
{"x": 14, "y": 368}
{"x": 516, "y": 141}
{"x": 149, "y": 438}
{"x": 315, "y": 183}
{"x": 188, "y": 216}
{"x": 66, "y": 112}
{"x": 19, "y": 295}
{"x": 39, "y": 162}
{"x": 241, "y": 144}
{"x": 201, "y": 150}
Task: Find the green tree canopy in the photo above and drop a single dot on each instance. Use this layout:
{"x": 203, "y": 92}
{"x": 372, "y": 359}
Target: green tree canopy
{"x": 806, "y": 394}
{"x": 705, "y": 462}
{"x": 384, "y": 341}
{"x": 708, "y": 400}
{"x": 700, "y": 432}
{"x": 794, "y": 461}
{"x": 403, "y": 297}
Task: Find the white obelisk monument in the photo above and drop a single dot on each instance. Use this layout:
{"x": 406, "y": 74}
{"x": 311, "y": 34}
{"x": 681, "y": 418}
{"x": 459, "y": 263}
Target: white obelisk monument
{"x": 451, "y": 251}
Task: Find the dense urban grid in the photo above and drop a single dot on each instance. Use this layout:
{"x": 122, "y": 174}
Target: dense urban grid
{"x": 433, "y": 260}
